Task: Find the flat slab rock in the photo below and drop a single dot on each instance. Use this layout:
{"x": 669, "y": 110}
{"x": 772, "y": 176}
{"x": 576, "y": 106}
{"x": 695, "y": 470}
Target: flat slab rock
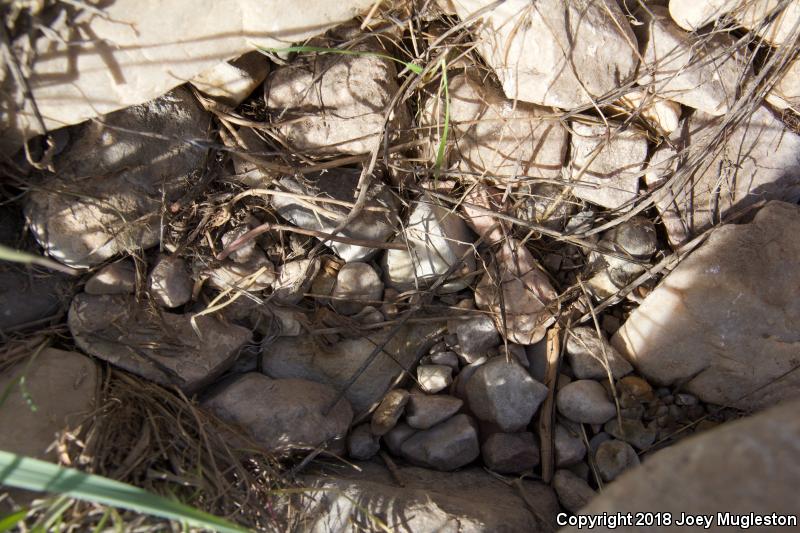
{"x": 726, "y": 321}
{"x": 160, "y": 347}
{"x": 694, "y": 477}
{"x": 303, "y": 357}
{"x": 466, "y": 501}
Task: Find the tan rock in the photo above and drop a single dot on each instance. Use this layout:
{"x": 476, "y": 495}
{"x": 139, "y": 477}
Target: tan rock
{"x": 554, "y": 54}
{"x": 664, "y": 114}
{"x": 723, "y": 324}
{"x": 785, "y": 94}
{"x": 231, "y": 82}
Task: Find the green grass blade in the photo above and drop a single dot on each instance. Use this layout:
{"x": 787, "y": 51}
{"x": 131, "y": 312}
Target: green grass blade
{"x": 446, "y": 129}
{"x": 10, "y": 520}
{"x": 9, "y": 254}
{"x": 413, "y": 67}
{"x": 33, "y": 474}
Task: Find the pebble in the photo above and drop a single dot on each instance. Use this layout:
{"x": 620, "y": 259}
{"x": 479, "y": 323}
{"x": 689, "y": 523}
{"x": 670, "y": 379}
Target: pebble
{"x": 357, "y": 285}
{"x": 510, "y": 453}
{"x": 116, "y": 278}
{"x": 476, "y": 336}
{"x": 614, "y": 457}
{"x": 424, "y": 411}
{"x": 633, "y": 432}
{"x": 573, "y": 492}
{"x": 361, "y": 443}
{"x": 569, "y": 445}
{"x": 434, "y": 378}
{"x": 446, "y": 446}
{"x": 170, "y": 283}
{"x": 585, "y": 401}
{"x": 586, "y": 353}
{"x": 441, "y": 358}
{"x": 389, "y": 411}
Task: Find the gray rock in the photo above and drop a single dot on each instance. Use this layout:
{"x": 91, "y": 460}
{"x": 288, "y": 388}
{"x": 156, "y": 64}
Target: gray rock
{"x": 466, "y": 501}
{"x": 281, "y": 414}
{"x": 587, "y": 354}
{"x": 459, "y": 387}
{"x": 340, "y": 184}
{"x": 303, "y": 357}
{"x": 116, "y": 278}
{"x": 434, "y": 378}
{"x": 613, "y": 457}
{"x": 585, "y": 401}
{"x": 597, "y": 440}
{"x": 573, "y": 492}
{"x": 424, "y": 411}
{"x": 634, "y": 238}
{"x": 248, "y": 252}
{"x": 162, "y": 348}
{"x": 631, "y": 431}
{"x": 357, "y": 285}
{"x": 726, "y": 307}
{"x": 29, "y": 295}
{"x": 699, "y": 71}
{"x": 581, "y": 50}
{"x": 695, "y": 476}
{"x": 438, "y": 239}
{"x": 505, "y": 394}
{"x": 569, "y": 446}
{"x": 361, "y": 443}
{"x": 389, "y": 411}
{"x": 294, "y": 280}
{"x": 550, "y": 205}
{"x": 446, "y": 446}
{"x": 334, "y": 104}
{"x": 477, "y": 336}
{"x": 441, "y": 358}
{"x": 107, "y": 195}
{"x": 170, "y": 283}
{"x": 510, "y": 453}
{"x": 607, "y": 163}
{"x": 395, "y": 438}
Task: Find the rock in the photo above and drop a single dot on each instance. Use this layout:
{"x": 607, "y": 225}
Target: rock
{"x": 149, "y": 54}
{"x": 424, "y": 411}
{"x": 361, "y": 443}
{"x": 495, "y": 135}
{"x": 57, "y": 394}
{"x": 389, "y": 411}
{"x": 785, "y": 94}
{"x": 303, "y": 357}
{"x": 547, "y": 204}
{"x": 446, "y": 446}
{"x": 442, "y": 358}
{"x": 231, "y": 82}
{"x": 703, "y": 72}
{"x": 162, "y": 348}
{"x": 395, "y": 438}
{"x": 504, "y": 394}
{"x": 607, "y": 163}
{"x": 255, "y": 276}
{"x": 476, "y": 336}
{"x": 170, "y": 283}
{"x": 632, "y": 431}
{"x": 587, "y": 355}
{"x": 374, "y": 224}
{"x": 635, "y": 388}
{"x": 573, "y": 492}
{"x": 466, "y": 501}
{"x": 778, "y": 31}
{"x": 438, "y": 239}
{"x": 585, "y": 401}
{"x": 434, "y": 378}
{"x": 294, "y": 280}
{"x": 526, "y": 294}
{"x": 635, "y": 239}
{"x": 726, "y": 307}
{"x": 664, "y": 115}
{"x": 510, "y": 453}
{"x": 30, "y": 295}
{"x": 693, "y": 477}
{"x": 248, "y": 252}
{"x": 333, "y": 103}
{"x": 282, "y": 414}
{"x": 568, "y": 445}
{"x": 759, "y": 159}
{"x": 107, "y": 195}
{"x": 563, "y": 56}
{"x": 613, "y": 457}
{"x": 116, "y": 278}
{"x": 357, "y": 285}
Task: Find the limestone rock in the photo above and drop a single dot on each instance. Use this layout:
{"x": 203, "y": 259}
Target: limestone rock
{"x": 164, "y": 349}
{"x": 587, "y": 355}
{"x": 555, "y": 54}
{"x": 693, "y": 477}
{"x": 446, "y": 446}
{"x": 727, "y": 307}
{"x": 357, "y": 285}
{"x": 510, "y": 453}
{"x": 607, "y": 164}
{"x": 302, "y": 357}
{"x": 281, "y": 414}
{"x": 231, "y": 82}
{"x": 700, "y": 72}
{"x": 661, "y": 113}
{"x": 376, "y": 224}
{"x": 106, "y": 195}
{"x": 504, "y": 394}
{"x": 116, "y": 278}
{"x": 585, "y": 401}
{"x": 438, "y": 239}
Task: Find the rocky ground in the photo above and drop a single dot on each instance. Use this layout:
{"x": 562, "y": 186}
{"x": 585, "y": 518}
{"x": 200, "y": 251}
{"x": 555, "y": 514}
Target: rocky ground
{"x": 550, "y": 242}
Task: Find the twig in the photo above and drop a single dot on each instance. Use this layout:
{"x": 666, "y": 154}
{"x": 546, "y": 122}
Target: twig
{"x": 546, "y": 413}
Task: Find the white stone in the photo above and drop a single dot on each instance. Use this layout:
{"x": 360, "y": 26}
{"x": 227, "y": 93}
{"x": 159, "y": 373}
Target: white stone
{"x": 664, "y": 114}
{"x": 785, "y": 94}
{"x": 231, "y": 82}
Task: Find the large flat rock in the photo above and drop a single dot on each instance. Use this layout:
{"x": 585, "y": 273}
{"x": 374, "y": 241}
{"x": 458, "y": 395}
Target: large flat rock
{"x": 726, "y": 322}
